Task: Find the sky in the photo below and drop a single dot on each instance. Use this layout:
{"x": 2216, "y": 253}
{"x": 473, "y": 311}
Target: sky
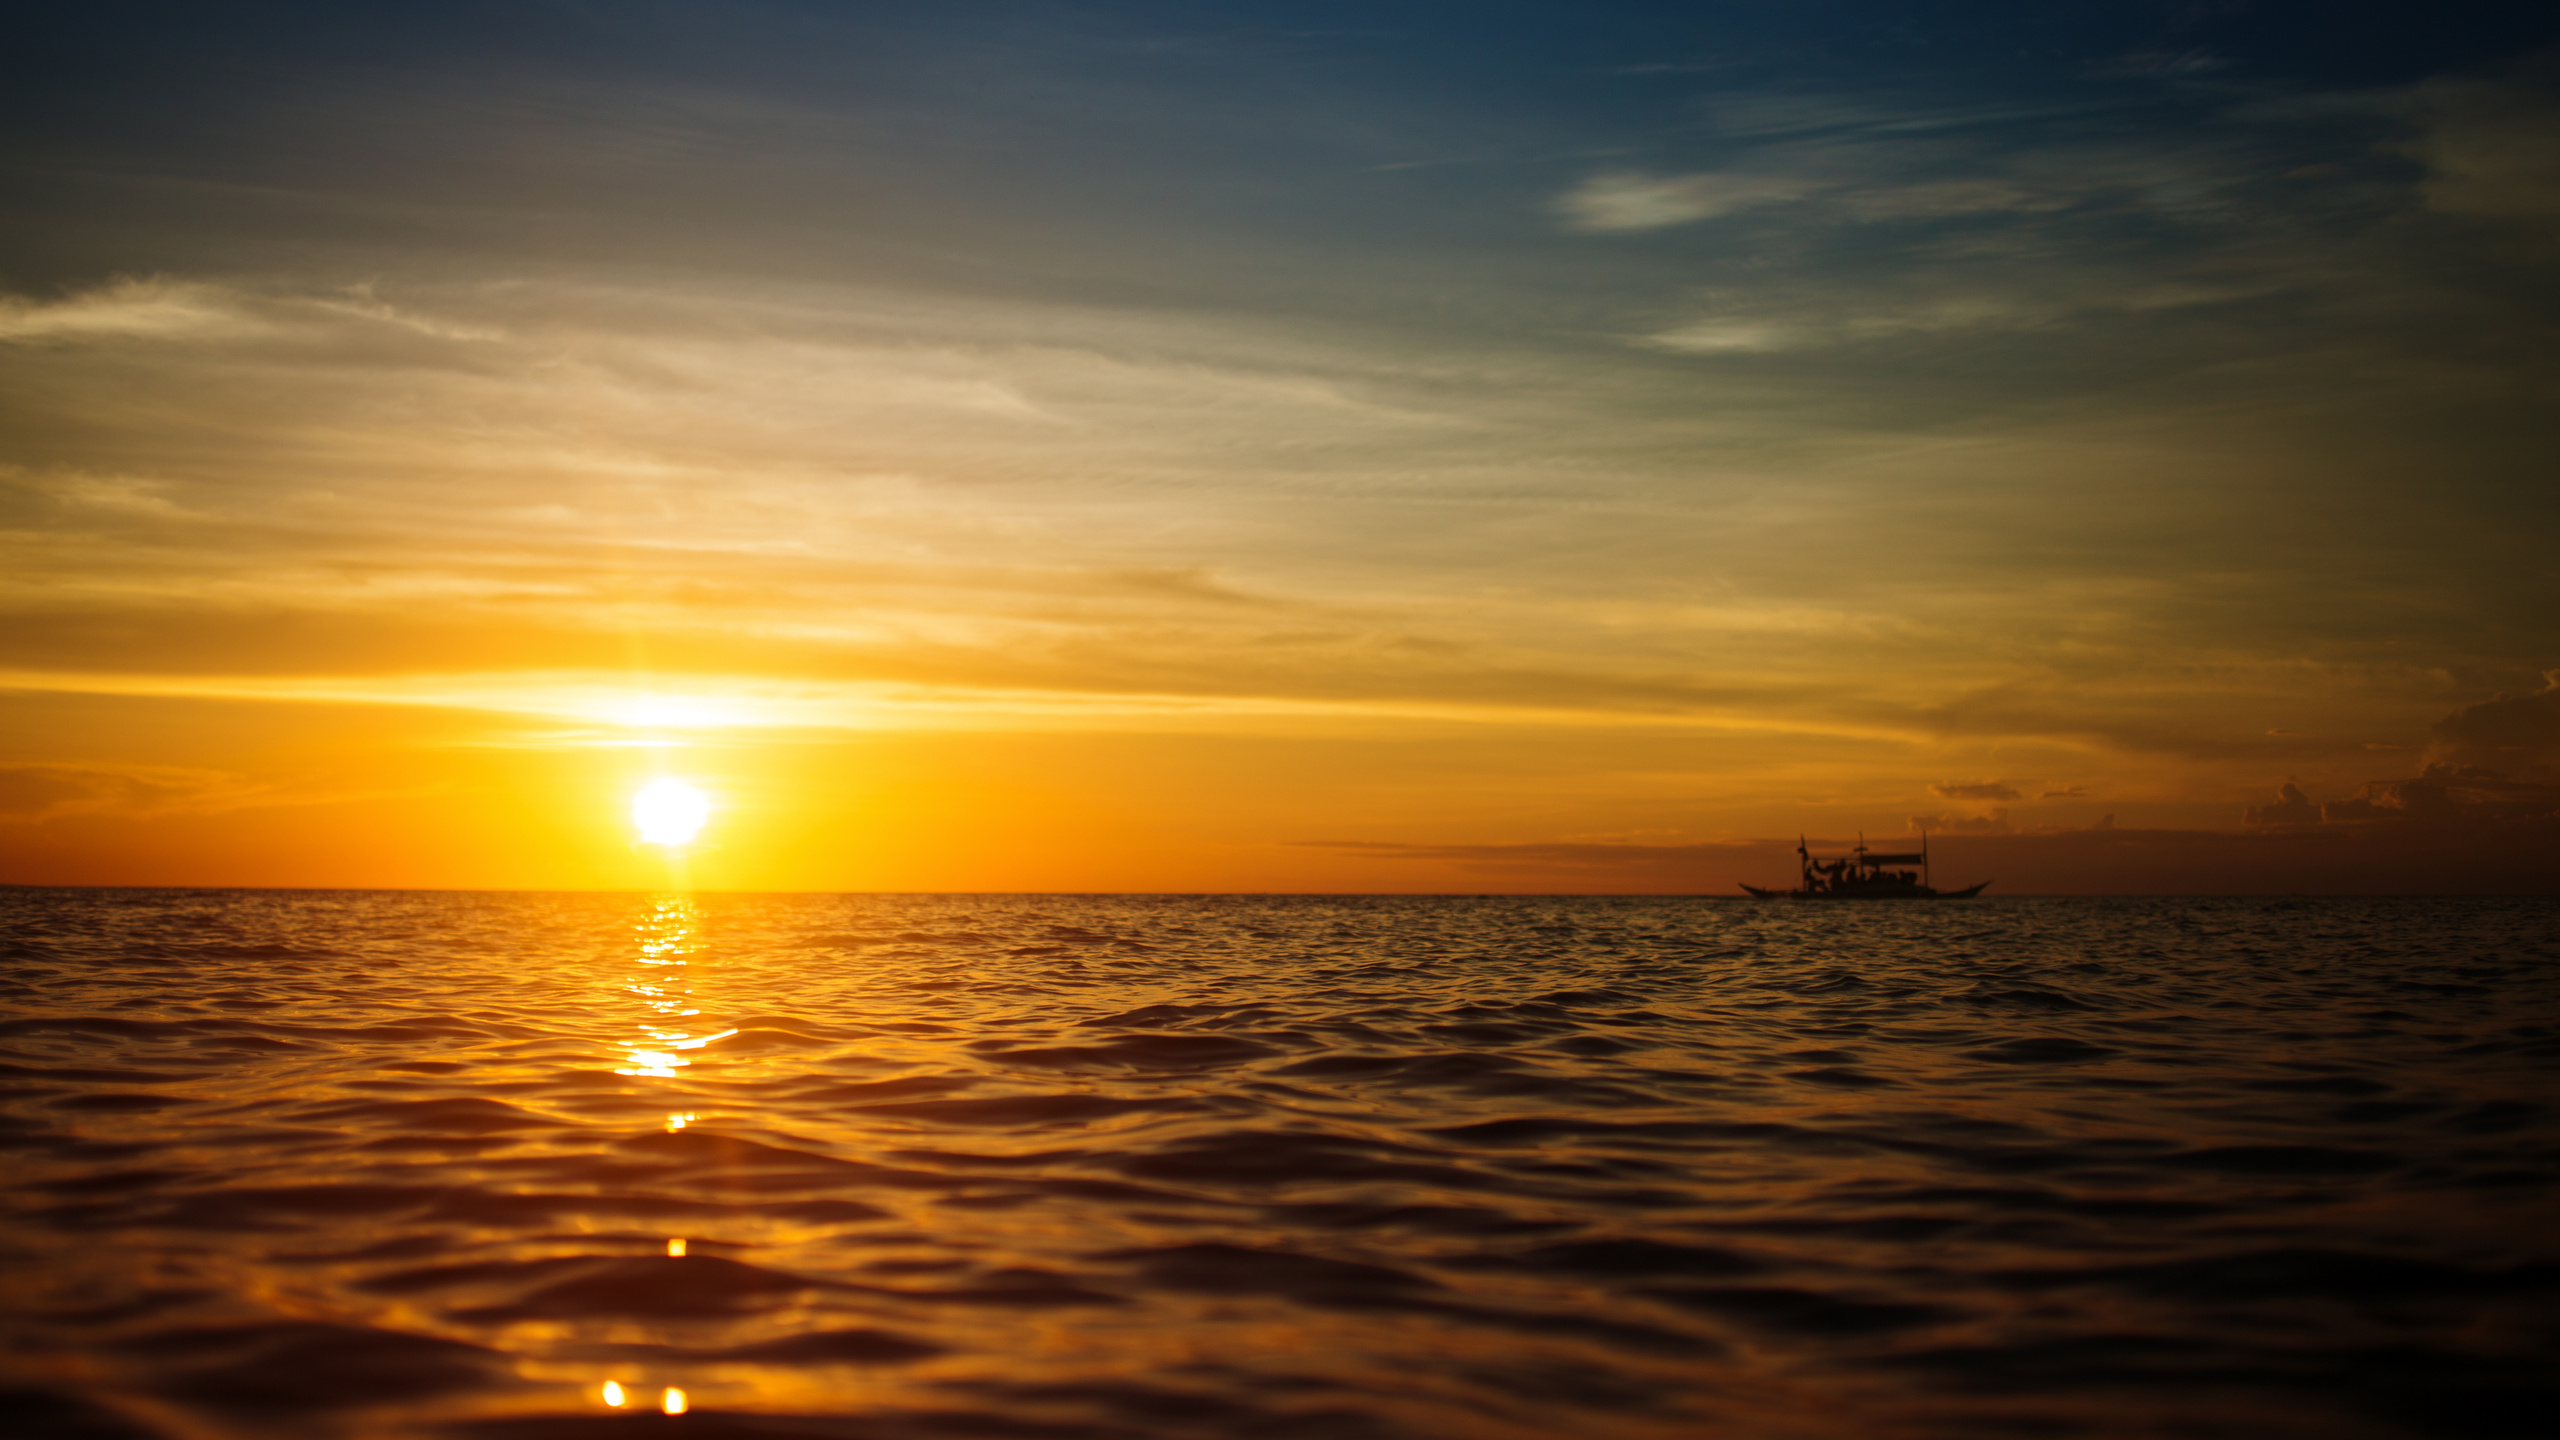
{"x": 1309, "y": 447}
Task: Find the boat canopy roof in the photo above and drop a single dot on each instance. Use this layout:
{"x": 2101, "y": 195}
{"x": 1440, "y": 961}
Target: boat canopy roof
{"x": 1914, "y": 858}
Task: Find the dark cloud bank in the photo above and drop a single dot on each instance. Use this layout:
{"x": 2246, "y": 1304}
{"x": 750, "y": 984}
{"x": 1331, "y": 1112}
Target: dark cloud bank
{"x": 2482, "y": 818}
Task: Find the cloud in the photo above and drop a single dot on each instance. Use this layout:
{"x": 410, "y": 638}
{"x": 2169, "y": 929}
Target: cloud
{"x": 2491, "y": 145}
{"x": 2291, "y": 807}
{"x": 1973, "y": 790}
{"x": 129, "y": 308}
{"x": 1623, "y": 201}
{"x": 1620, "y": 201}
{"x": 2443, "y": 797}
{"x": 2491, "y": 763}
{"x": 1762, "y": 325}
{"x": 35, "y": 793}
{"x": 1939, "y": 199}
{"x": 1735, "y": 335}
{"x": 1776, "y": 320}
{"x": 2006, "y": 222}
{"x": 813, "y": 480}
{"x": 1994, "y": 821}
{"x": 99, "y": 496}
{"x": 2069, "y": 792}
{"x": 2511, "y": 736}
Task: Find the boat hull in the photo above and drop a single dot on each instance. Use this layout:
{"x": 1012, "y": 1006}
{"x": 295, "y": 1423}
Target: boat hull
{"x": 1878, "y": 892}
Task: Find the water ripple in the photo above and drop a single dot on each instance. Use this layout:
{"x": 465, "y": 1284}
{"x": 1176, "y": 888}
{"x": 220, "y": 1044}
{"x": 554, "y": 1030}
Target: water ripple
{"x": 346, "y": 1165}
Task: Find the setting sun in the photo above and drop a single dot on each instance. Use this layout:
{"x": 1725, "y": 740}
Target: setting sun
{"x": 669, "y": 812}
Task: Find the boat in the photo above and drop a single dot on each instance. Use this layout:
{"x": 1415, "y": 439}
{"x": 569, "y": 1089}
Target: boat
{"x": 1865, "y": 875}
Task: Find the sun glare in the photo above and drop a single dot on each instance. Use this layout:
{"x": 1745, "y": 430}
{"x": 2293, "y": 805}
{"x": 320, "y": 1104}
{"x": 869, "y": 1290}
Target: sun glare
{"x": 669, "y": 812}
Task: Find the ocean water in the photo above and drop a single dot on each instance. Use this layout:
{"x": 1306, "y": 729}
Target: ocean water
{"x": 1058, "y": 1168}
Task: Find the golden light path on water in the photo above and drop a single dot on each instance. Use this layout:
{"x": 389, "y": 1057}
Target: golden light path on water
{"x": 667, "y": 937}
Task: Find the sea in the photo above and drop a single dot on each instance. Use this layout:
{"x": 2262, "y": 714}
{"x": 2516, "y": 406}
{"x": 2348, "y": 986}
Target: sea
{"x": 1039, "y": 1167}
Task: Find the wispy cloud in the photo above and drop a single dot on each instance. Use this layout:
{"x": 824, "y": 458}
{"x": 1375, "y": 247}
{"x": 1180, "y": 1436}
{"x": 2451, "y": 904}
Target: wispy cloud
{"x": 2491, "y": 145}
{"x": 1632, "y": 201}
{"x": 1624, "y": 201}
{"x": 1757, "y": 325}
{"x": 156, "y": 308}
{"x": 1838, "y": 221}
{"x": 34, "y": 793}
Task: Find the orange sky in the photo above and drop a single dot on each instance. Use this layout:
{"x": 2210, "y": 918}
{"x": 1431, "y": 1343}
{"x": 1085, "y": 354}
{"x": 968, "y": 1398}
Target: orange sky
{"x": 1294, "y": 464}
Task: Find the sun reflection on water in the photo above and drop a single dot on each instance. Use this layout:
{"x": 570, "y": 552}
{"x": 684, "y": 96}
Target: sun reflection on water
{"x": 660, "y": 1001}
{"x": 668, "y": 937}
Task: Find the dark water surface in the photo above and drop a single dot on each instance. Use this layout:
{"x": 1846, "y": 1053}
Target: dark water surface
{"x": 1033, "y": 1168}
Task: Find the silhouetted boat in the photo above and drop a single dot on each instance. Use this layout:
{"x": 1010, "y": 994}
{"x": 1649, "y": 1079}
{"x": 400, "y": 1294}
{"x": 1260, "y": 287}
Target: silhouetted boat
{"x": 1865, "y": 875}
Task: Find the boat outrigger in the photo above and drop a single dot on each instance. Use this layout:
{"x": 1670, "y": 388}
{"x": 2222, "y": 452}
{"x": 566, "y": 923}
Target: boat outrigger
{"x": 1865, "y": 875}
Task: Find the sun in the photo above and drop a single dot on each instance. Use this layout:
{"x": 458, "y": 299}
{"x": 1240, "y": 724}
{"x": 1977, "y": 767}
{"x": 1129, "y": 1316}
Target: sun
{"x": 669, "y": 812}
